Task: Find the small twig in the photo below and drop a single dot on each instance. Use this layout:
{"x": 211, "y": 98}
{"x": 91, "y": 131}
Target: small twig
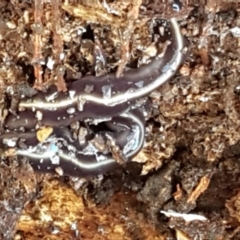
{"x": 127, "y": 34}
{"x": 37, "y": 58}
{"x": 58, "y": 47}
{"x": 95, "y": 15}
{"x": 200, "y": 188}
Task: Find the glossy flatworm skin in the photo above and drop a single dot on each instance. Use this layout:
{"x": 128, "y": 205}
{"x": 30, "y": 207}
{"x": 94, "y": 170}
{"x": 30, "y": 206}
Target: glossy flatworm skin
{"x": 94, "y": 100}
{"x": 101, "y": 97}
{"x": 66, "y": 154}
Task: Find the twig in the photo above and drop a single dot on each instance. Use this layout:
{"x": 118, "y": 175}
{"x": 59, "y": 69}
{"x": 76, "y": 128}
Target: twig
{"x": 127, "y": 34}
{"x": 58, "y": 47}
{"x": 37, "y": 57}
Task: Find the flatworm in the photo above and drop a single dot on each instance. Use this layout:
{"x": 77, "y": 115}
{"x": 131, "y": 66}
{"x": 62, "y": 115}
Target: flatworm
{"x": 94, "y": 100}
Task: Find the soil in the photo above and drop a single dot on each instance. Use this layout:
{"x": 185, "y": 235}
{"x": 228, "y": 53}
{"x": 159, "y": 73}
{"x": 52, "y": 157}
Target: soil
{"x": 185, "y": 183}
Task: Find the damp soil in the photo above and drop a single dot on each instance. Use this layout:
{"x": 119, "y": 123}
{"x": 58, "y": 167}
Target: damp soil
{"x": 185, "y": 183}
